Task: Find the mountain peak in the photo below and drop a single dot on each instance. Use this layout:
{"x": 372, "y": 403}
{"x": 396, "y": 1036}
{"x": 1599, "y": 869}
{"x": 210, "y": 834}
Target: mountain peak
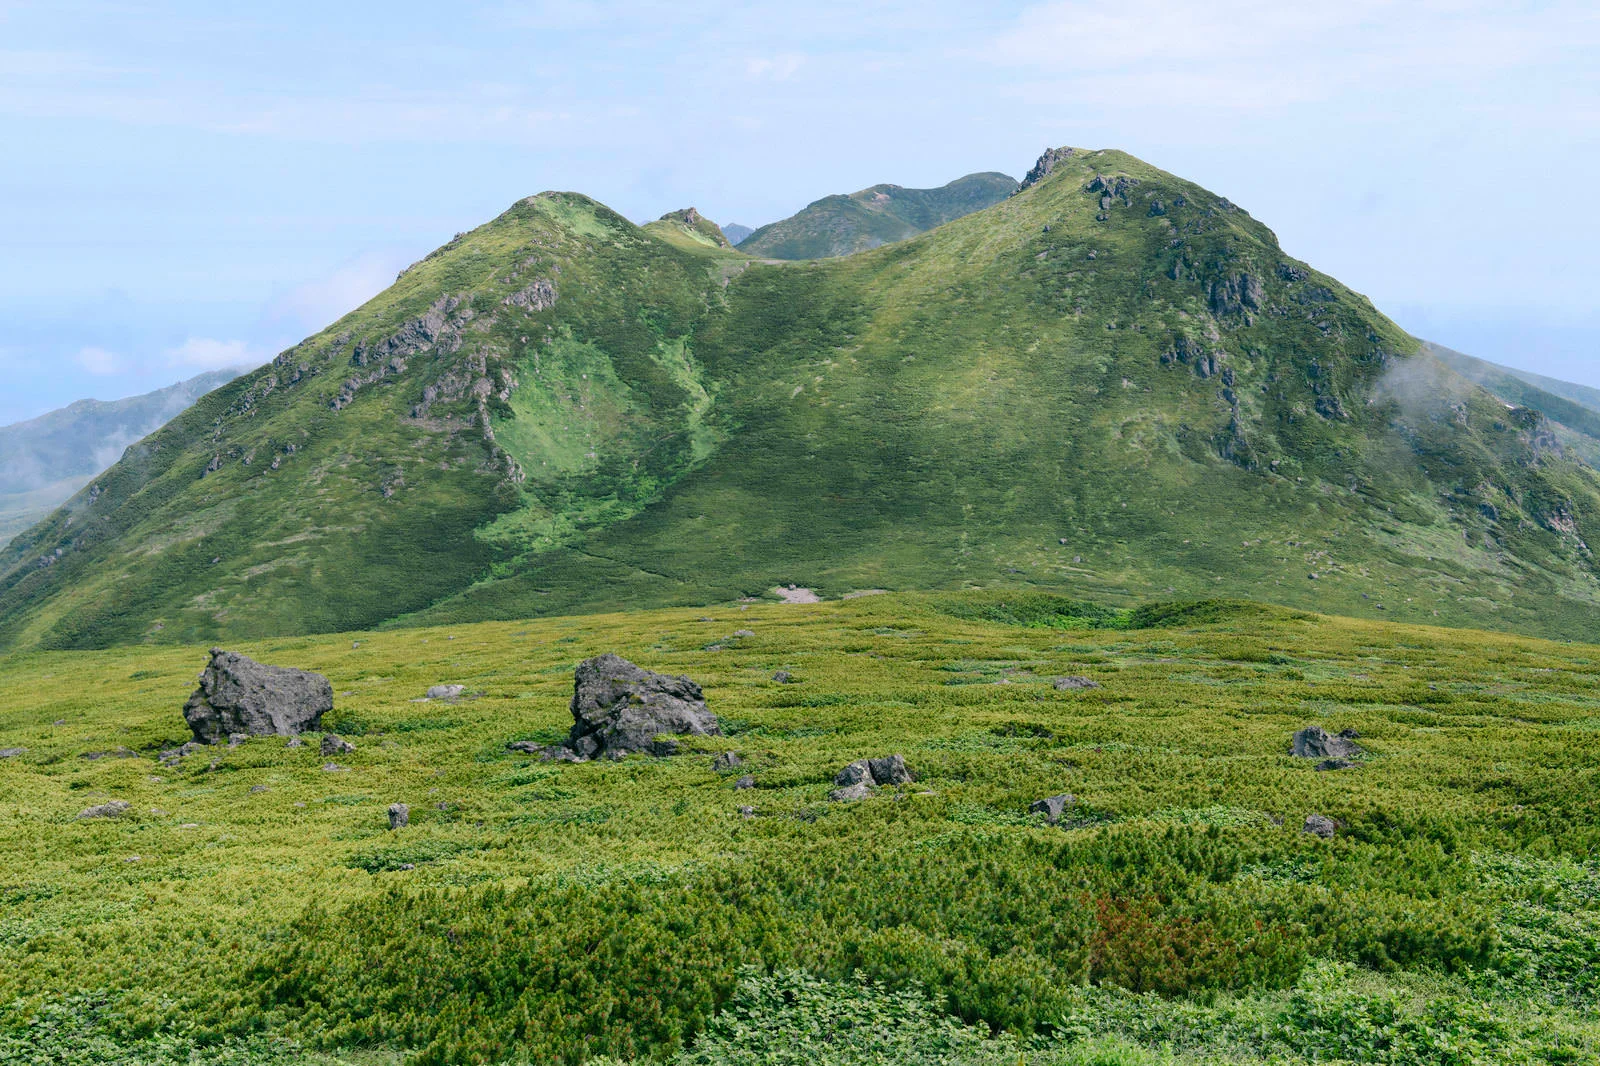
{"x": 1046, "y": 163}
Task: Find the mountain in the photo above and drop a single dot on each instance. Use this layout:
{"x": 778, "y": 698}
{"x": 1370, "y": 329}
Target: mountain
{"x": 1573, "y": 410}
{"x": 1113, "y": 382}
{"x": 44, "y": 460}
{"x": 737, "y": 233}
{"x": 842, "y": 225}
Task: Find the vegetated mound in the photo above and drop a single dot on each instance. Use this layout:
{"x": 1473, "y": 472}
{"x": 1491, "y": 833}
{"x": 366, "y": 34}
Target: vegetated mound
{"x": 1113, "y": 384}
{"x": 844, "y": 224}
{"x": 440, "y": 896}
{"x": 44, "y": 460}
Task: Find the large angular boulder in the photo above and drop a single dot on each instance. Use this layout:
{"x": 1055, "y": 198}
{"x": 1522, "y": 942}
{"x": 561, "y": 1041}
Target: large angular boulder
{"x": 1315, "y": 742}
{"x": 239, "y": 695}
{"x": 618, "y": 708}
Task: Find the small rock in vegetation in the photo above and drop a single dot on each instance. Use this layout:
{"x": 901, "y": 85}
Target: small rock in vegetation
{"x": 1315, "y": 742}
{"x": 399, "y": 815}
{"x": 111, "y": 809}
{"x": 618, "y": 708}
{"x": 257, "y": 788}
{"x": 744, "y": 634}
{"x": 334, "y": 768}
{"x": 856, "y": 780}
{"x": 728, "y": 760}
{"x": 334, "y": 744}
{"x": 1052, "y": 807}
{"x": 1336, "y": 764}
{"x": 747, "y": 781}
{"x": 747, "y": 812}
{"x": 171, "y": 756}
{"x": 239, "y": 695}
{"x": 1074, "y": 681}
{"x": 1320, "y": 825}
{"x": 11, "y": 753}
{"x": 446, "y": 692}
{"x": 783, "y": 677}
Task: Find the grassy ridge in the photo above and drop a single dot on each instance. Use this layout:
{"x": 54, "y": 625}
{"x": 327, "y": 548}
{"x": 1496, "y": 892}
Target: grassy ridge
{"x": 1112, "y": 384}
{"x": 844, "y": 224}
{"x": 561, "y": 912}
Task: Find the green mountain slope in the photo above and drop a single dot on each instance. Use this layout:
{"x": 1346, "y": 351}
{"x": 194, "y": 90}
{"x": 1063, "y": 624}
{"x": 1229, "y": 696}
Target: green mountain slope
{"x": 44, "y": 460}
{"x": 841, "y": 225}
{"x": 1113, "y": 382}
{"x": 1574, "y": 410}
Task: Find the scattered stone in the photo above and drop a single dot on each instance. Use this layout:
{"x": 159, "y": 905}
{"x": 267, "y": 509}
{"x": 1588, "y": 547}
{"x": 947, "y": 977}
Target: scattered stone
{"x": 171, "y": 756}
{"x": 1320, "y": 825}
{"x": 295, "y": 742}
{"x": 1052, "y": 807}
{"x": 619, "y": 708}
{"x": 132, "y": 858}
{"x": 239, "y": 695}
{"x": 743, "y": 634}
{"x": 1315, "y": 742}
{"x": 1336, "y": 764}
{"x": 399, "y": 815}
{"x": 446, "y": 692}
{"x": 235, "y": 739}
{"x": 334, "y": 744}
{"x": 406, "y": 866}
{"x": 1073, "y": 681}
{"x": 747, "y": 781}
{"x": 728, "y": 760}
{"x": 11, "y": 753}
{"x": 334, "y": 768}
{"x": 856, "y": 780}
{"x": 747, "y": 812}
{"x": 111, "y": 809}
{"x": 257, "y": 788}
{"x": 526, "y": 747}
{"x": 114, "y": 753}
{"x": 783, "y": 677}
{"x": 59, "y": 721}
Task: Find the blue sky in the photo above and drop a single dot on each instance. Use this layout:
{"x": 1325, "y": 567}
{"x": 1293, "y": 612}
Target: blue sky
{"x": 183, "y": 188}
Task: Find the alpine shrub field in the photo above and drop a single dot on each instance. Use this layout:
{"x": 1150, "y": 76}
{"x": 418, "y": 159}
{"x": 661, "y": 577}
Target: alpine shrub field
{"x": 252, "y": 906}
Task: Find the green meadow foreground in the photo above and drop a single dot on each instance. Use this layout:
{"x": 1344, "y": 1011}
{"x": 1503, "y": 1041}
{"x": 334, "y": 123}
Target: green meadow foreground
{"x": 252, "y": 906}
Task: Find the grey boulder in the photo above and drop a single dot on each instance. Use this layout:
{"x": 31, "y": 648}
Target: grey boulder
{"x": 1320, "y": 825}
{"x": 334, "y": 744}
{"x": 446, "y": 692}
{"x": 1074, "y": 681}
{"x": 1052, "y": 807}
{"x": 619, "y": 708}
{"x": 747, "y": 781}
{"x": 11, "y": 753}
{"x": 726, "y": 762}
{"x": 856, "y": 780}
{"x": 111, "y": 809}
{"x": 239, "y": 695}
{"x": 1315, "y": 742}
{"x": 399, "y": 815}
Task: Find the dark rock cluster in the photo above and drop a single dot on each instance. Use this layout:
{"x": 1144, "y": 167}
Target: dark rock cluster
{"x": 239, "y": 695}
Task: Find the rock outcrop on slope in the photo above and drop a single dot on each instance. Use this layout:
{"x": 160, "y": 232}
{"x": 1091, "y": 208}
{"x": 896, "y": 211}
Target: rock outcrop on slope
{"x": 619, "y": 708}
{"x": 239, "y": 695}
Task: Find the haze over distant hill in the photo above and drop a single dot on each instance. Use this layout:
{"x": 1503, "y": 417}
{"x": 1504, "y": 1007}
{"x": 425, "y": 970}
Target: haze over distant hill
{"x": 44, "y": 460}
{"x": 1113, "y": 382}
{"x": 843, "y": 224}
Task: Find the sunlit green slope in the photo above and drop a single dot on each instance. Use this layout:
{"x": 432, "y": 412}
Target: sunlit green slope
{"x": 1114, "y": 382}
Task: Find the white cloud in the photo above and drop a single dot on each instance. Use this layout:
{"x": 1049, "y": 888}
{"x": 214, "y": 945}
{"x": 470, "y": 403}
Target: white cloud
{"x": 100, "y": 362}
{"x": 315, "y": 304}
{"x": 205, "y": 353}
{"x": 1254, "y": 53}
{"x": 774, "y": 68}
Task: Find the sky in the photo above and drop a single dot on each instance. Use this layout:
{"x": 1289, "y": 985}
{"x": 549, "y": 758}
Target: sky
{"x": 185, "y": 186}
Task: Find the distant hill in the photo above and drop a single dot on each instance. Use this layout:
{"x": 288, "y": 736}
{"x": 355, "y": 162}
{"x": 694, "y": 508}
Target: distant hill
{"x": 44, "y": 460}
{"x": 1573, "y": 409}
{"x": 737, "y": 233}
{"x": 843, "y": 224}
{"x": 1114, "y": 383}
